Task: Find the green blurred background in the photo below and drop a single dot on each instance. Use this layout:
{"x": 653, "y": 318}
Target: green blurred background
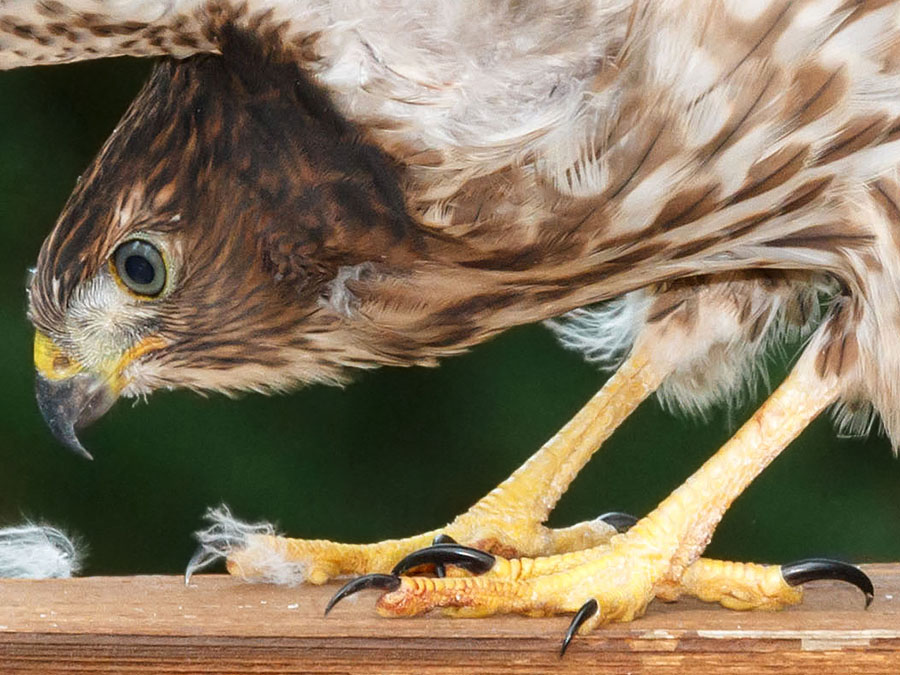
{"x": 397, "y": 452}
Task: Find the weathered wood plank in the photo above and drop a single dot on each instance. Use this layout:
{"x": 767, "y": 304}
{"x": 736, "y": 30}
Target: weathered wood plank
{"x": 221, "y": 625}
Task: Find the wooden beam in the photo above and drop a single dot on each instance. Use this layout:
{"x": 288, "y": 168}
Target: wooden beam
{"x": 220, "y": 625}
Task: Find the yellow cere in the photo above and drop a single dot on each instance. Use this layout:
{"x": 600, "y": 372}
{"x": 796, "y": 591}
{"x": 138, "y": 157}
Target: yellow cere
{"x": 51, "y": 361}
{"x": 54, "y": 364}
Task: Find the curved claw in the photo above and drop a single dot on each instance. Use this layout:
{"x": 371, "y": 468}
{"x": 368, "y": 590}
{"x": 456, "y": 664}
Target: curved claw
{"x": 383, "y": 582}
{"x": 197, "y": 561}
{"x": 470, "y": 559}
{"x": 813, "y": 569}
{"x": 439, "y": 570}
{"x": 443, "y": 539}
{"x": 587, "y": 610}
{"x": 621, "y": 521}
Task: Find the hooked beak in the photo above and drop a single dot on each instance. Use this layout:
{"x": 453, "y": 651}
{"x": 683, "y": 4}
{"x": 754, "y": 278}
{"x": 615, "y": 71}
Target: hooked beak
{"x": 71, "y": 404}
{"x": 71, "y": 397}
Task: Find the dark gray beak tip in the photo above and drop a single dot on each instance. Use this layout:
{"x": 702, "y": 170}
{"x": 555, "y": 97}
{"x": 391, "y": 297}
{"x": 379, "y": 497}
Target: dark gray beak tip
{"x": 72, "y": 403}
{"x": 75, "y": 446}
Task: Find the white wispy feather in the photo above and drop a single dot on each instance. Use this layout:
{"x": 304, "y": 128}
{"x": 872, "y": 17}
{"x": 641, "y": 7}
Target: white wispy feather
{"x": 226, "y": 534}
{"x": 33, "y": 551}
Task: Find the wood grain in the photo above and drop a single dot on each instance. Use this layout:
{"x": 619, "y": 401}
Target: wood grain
{"x": 221, "y": 625}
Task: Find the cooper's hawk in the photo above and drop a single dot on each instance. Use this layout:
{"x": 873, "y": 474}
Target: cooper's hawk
{"x": 342, "y": 185}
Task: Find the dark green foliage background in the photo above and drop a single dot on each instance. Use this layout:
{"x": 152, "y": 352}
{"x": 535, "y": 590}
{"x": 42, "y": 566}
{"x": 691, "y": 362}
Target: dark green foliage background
{"x": 398, "y": 452}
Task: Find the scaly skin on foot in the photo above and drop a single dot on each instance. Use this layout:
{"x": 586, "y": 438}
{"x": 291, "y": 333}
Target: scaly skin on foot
{"x": 509, "y": 521}
{"x": 735, "y": 585}
{"x": 625, "y": 574}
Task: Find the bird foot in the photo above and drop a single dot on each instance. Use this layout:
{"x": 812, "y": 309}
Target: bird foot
{"x": 611, "y": 583}
{"x": 255, "y": 552}
{"x": 508, "y": 521}
{"x": 617, "y": 580}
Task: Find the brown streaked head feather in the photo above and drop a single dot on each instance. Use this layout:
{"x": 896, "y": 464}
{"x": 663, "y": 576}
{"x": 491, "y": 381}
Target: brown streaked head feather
{"x": 259, "y": 193}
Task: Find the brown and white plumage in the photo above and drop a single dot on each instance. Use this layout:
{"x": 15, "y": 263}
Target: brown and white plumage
{"x": 347, "y": 185}
{"x": 585, "y": 150}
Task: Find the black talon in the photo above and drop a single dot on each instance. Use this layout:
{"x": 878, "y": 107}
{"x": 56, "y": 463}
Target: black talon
{"x": 443, "y": 539}
{"x": 383, "y": 582}
{"x": 621, "y": 521}
{"x": 587, "y": 610}
{"x": 800, "y": 572}
{"x": 439, "y": 570}
{"x": 470, "y": 559}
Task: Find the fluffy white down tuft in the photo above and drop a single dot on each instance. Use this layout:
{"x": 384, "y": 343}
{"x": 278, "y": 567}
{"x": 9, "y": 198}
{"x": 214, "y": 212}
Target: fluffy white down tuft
{"x": 603, "y": 333}
{"x": 226, "y": 535}
{"x": 33, "y": 551}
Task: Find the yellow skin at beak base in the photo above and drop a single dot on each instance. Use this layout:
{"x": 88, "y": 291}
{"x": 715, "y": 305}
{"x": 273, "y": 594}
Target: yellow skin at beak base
{"x": 54, "y": 364}
{"x": 50, "y": 361}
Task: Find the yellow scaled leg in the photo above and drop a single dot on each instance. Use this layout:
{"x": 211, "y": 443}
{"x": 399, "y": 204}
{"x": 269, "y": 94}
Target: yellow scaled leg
{"x": 615, "y": 581}
{"x": 508, "y": 520}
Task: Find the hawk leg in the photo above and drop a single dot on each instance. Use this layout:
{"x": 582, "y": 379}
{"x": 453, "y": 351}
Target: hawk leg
{"x": 615, "y": 581}
{"x": 508, "y": 520}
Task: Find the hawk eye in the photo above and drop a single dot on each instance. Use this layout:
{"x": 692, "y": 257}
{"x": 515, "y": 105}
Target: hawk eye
{"x": 140, "y": 266}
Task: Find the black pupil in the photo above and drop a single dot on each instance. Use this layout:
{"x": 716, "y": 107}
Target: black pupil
{"x": 139, "y": 270}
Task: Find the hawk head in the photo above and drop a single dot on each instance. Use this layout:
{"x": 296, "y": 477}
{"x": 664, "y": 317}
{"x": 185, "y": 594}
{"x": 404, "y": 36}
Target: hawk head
{"x": 214, "y": 243}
